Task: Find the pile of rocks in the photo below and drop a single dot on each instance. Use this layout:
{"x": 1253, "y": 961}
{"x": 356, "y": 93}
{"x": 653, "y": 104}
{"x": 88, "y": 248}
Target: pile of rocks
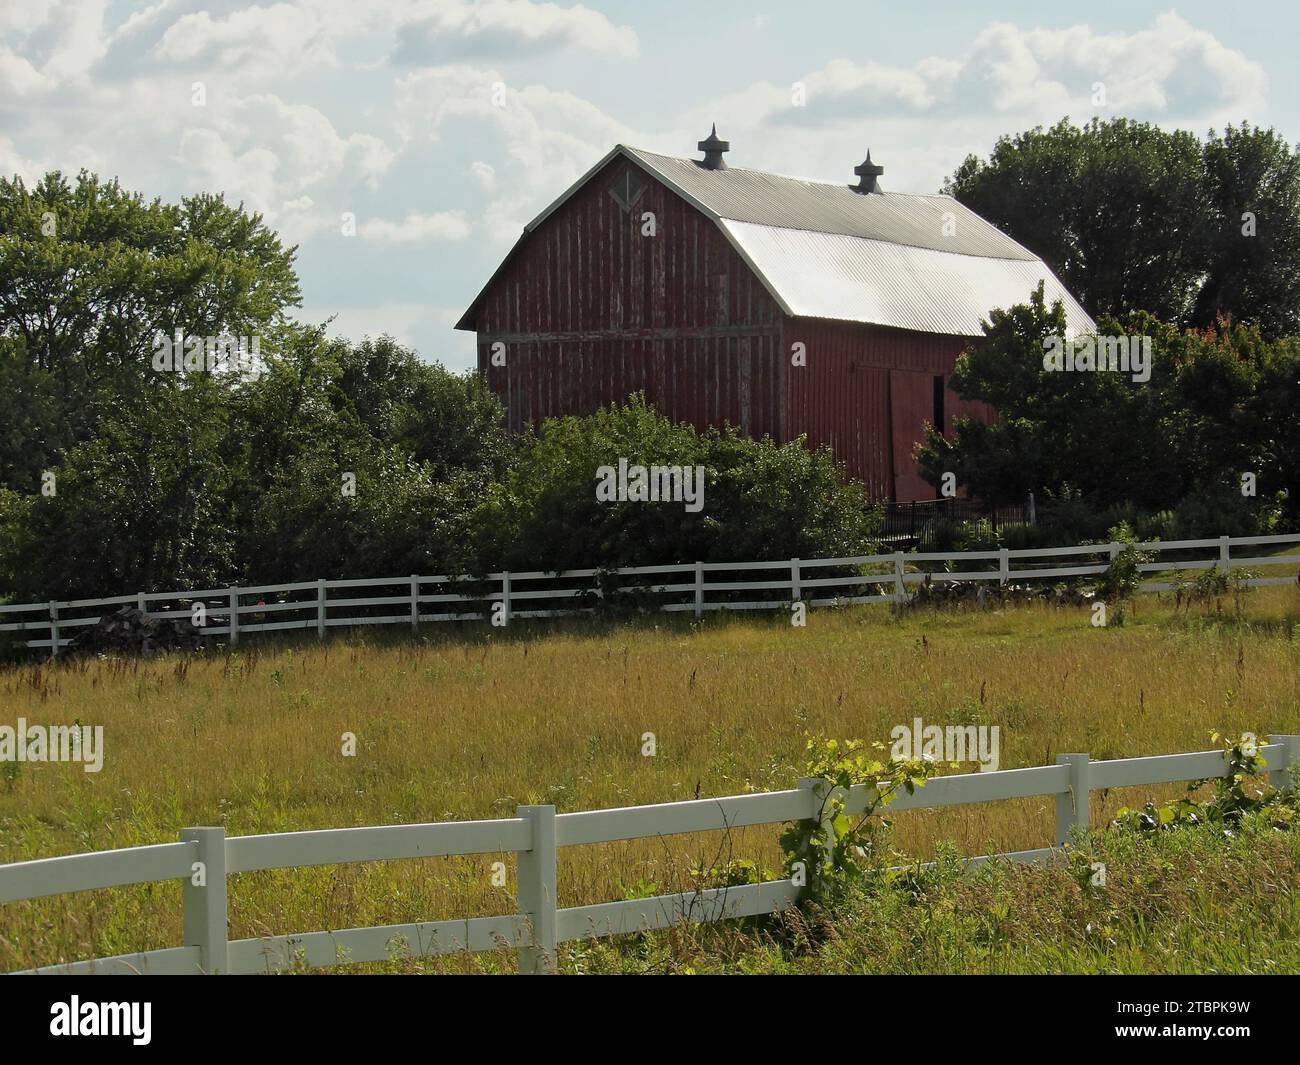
{"x": 133, "y": 632}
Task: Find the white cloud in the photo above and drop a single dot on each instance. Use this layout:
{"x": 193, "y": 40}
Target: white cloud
{"x": 280, "y": 39}
{"x": 934, "y": 112}
{"x": 551, "y": 135}
{"x": 1170, "y": 67}
{"x": 19, "y": 78}
{"x": 50, "y": 43}
{"x": 368, "y": 157}
{"x": 21, "y": 19}
{"x": 270, "y": 154}
{"x": 504, "y": 219}
{"x": 13, "y": 163}
{"x": 497, "y": 29}
{"x": 218, "y": 166}
{"x": 548, "y": 138}
{"x": 416, "y": 228}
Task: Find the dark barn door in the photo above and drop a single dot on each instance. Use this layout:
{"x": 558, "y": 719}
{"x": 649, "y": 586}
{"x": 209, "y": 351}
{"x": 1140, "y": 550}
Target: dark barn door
{"x": 911, "y": 405}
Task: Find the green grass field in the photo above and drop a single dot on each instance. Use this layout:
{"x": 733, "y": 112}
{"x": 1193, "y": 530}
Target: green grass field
{"x": 469, "y": 722}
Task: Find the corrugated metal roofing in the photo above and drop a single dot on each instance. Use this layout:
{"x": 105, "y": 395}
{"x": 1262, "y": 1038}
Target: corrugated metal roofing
{"x": 830, "y": 275}
{"x": 825, "y": 251}
{"x": 791, "y": 203}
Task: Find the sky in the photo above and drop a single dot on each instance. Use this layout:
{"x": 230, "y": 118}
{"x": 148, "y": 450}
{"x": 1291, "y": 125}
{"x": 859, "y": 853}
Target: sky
{"x": 443, "y": 126}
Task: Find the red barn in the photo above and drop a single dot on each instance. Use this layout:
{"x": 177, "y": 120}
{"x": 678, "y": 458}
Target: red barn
{"x": 782, "y": 306}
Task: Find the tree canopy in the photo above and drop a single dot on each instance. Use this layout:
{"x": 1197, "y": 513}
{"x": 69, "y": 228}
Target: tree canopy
{"x": 1133, "y": 217}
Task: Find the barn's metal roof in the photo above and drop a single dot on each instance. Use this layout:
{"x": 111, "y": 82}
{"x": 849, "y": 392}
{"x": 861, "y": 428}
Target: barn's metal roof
{"x": 833, "y": 275}
{"x": 822, "y": 250}
{"x": 791, "y": 203}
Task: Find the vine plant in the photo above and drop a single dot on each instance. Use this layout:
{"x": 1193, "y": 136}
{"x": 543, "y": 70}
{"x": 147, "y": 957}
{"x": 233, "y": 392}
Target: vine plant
{"x": 1234, "y": 795}
{"x": 833, "y": 851}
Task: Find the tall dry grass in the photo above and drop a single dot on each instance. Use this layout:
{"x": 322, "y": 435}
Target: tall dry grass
{"x": 470, "y": 723}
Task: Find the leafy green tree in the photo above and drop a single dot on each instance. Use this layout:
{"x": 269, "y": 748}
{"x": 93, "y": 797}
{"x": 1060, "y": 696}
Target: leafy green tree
{"x": 399, "y": 518}
{"x": 451, "y": 421}
{"x": 1216, "y": 406}
{"x": 174, "y": 480}
{"x": 328, "y": 410}
{"x": 1272, "y": 417}
{"x": 143, "y": 506}
{"x": 91, "y": 274}
{"x": 1253, "y": 231}
{"x": 1136, "y": 218}
{"x": 33, "y": 430}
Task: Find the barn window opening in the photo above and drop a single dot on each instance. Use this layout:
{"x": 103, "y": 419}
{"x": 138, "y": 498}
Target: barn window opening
{"x": 939, "y": 423}
{"x": 627, "y": 188}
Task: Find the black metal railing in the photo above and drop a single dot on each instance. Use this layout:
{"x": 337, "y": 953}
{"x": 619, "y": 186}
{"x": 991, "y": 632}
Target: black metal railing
{"x": 916, "y": 521}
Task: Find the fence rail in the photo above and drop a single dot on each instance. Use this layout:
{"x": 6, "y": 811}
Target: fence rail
{"x": 535, "y": 834}
{"x": 506, "y": 596}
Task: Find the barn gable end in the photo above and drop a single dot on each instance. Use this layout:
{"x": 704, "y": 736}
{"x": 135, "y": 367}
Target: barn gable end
{"x": 589, "y": 311}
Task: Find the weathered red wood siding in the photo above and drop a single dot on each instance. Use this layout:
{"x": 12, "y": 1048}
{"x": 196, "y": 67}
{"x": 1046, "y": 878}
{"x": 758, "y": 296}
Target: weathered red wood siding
{"x": 590, "y": 311}
{"x": 867, "y": 392}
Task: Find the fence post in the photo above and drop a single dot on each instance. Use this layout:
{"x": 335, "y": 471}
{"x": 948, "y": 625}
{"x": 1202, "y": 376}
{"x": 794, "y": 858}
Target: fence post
{"x": 205, "y": 902}
{"x": 1004, "y": 565}
{"x": 54, "y": 628}
{"x": 320, "y": 609}
{"x": 1225, "y": 547}
{"x": 795, "y": 592}
{"x": 900, "y": 588}
{"x": 818, "y": 810}
{"x": 536, "y": 891}
{"x": 699, "y": 589}
{"x": 142, "y": 604}
{"x": 505, "y": 596}
{"x": 234, "y": 616}
{"x": 1279, "y": 774}
{"x": 415, "y": 603}
{"x": 1072, "y": 805}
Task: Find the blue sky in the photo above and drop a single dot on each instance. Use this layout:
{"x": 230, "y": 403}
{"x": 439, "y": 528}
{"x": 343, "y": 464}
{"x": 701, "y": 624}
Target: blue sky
{"x": 385, "y": 109}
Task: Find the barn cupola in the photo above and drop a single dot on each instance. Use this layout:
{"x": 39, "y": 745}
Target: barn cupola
{"x": 713, "y": 148}
{"x": 867, "y": 173}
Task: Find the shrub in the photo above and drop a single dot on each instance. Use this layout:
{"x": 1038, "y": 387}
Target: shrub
{"x": 977, "y": 536}
{"x": 1018, "y": 536}
{"x": 761, "y": 500}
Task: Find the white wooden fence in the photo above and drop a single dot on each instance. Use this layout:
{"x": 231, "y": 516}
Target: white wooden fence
{"x": 416, "y": 599}
{"x": 534, "y": 834}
